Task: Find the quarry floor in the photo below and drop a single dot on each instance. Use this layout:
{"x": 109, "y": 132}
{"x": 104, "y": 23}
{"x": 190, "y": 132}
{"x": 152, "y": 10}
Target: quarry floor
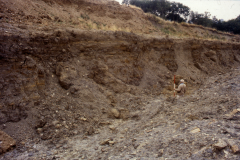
{"x": 188, "y": 127}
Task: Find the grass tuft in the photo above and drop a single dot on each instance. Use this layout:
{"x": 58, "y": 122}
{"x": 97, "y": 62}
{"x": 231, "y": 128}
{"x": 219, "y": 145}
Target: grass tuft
{"x": 85, "y": 16}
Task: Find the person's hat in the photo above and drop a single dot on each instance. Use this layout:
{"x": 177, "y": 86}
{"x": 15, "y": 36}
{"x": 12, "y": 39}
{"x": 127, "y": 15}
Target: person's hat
{"x": 182, "y": 80}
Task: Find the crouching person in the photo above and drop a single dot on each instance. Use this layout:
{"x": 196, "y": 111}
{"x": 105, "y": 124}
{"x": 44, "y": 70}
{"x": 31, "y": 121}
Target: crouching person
{"x": 181, "y": 90}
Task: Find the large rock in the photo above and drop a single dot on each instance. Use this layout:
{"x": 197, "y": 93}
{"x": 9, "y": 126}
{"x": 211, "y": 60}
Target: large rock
{"x": 66, "y": 75}
{"x": 235, "y": 148}
{"x": 115, "y": 113}
{"x": 6, "y": 142}
{"x": 101, "y": 75}
{"x": 234, "y": 112}
{"x": 234, "y": 145}
{"x": 196, "y": 130}
{"x": 220, "y": 145}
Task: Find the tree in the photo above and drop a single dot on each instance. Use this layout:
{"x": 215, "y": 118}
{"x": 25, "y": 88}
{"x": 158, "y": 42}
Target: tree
{"x": 157, "y": 7}
{"x": 178, "y": 12}
{"x": 201, "y": 19}
{"x": 175, "y": 17}
{"x": 165, "y": 9}
{"x": 232, "y": 26}
{"x": 126, "y": 2}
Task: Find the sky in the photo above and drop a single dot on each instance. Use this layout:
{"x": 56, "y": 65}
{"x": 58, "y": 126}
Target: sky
{"x": 222, "y": 9}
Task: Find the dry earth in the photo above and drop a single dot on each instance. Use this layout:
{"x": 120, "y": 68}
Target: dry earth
{"x": 68, "y": 92}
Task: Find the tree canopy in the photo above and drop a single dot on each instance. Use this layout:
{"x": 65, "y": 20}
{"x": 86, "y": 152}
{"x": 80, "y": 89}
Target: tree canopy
{"x": 232, "y": 26}
{"x": 178, "y": 12}
{"x": 201, "y": 19}
{"x": 163, "y": 8}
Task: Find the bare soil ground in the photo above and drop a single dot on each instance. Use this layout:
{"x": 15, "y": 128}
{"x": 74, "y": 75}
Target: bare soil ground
{"x": 71, "y": 92}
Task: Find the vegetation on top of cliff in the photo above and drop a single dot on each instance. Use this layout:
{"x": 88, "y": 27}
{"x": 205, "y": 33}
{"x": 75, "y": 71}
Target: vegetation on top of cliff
{"x": 105, "y": 15}
{"x": 178, "y": 12}
{"x": 167, "y": 10}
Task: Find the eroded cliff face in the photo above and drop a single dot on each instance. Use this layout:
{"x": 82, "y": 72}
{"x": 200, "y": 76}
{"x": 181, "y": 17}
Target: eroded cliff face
{"x": 66, "y": 82}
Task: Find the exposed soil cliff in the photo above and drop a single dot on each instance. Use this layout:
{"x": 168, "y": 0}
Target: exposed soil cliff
{"x": 68, "y": 81}
{"x": 104, "y": 92}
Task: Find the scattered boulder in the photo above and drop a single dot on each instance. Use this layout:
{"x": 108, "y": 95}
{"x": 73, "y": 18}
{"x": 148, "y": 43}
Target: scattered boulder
{"x": 111, "y": 142}
{"x": 220, "y": 145}
{"x": 234, "y": 145}
{"x": 235, "y": 148}
{"x": 66, "y": 74}
{"x": 233, "y": 115}
{"x": 83, "y": 119}
{"x": 101, "y": 75}
{"x": 124, "y": 113}
{"x": 115, "y": 113}
{"x": 107, "y": 141}
{"x": 235, "y": 111}
{"x": 6, "y": 142}
{"x": 231, "y": 142}
{"x": 196, "y": 130}
{"x": 45, "y": 136}
{"x": 90, "y": 130}
{"x": 112, "y": 127}
{"x": 41, "y": 123}
{"x": 39, "y": 130}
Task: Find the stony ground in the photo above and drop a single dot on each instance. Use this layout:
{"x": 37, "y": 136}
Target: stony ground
{"x": 204, "y": 125}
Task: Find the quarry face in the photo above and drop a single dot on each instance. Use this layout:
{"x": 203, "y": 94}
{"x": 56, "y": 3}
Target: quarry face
{"x": 70, "y": 93}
